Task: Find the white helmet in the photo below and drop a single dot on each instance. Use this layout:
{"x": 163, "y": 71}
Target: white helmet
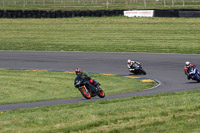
{"x": 129, "y": 61}
{"x": 187, "y": 63}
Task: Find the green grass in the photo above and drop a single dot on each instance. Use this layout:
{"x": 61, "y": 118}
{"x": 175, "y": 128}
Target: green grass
{"x": 32, "y": 86}
{"x": 96, "y": 4}
{"x": 169, "y": 112}
{"x": 106, "y": 34}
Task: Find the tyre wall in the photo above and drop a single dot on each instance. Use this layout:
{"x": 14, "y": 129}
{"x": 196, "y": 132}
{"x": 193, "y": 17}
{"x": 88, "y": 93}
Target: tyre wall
{"x": 57, "y": 14}
{"x": 98, "y": 13}
{"x": 177, "y": 13}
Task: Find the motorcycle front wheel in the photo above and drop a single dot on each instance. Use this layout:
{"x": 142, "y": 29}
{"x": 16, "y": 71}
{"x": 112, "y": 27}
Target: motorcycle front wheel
{"x": 85, "y": 92}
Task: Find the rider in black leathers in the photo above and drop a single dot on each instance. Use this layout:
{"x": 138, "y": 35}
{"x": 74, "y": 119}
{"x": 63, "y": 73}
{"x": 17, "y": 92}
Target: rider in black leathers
{"x": 91, "y": 84}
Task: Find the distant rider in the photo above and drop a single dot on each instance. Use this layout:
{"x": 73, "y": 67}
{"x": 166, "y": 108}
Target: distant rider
{"x": 92, "y": 83}
{"x": 187, "y": 67}
{"x": 131, "y": 64}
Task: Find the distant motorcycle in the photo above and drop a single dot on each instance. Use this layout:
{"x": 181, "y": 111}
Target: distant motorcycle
{"x": 136, "y": 68}
{"x": 85, "y": 90}
{"x": 194, "y": 74}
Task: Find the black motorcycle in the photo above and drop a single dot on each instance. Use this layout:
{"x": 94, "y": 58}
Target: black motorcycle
{"x": 136, "y": 68}
{"x": 85, "y": 90}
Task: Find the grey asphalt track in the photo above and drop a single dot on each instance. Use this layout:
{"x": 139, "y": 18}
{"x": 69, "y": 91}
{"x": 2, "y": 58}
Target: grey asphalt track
{"x": 166, "y": 68}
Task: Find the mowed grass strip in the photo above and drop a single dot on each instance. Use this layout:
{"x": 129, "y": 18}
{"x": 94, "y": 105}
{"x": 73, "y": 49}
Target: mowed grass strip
{"x": 105, "y": 34}
{"x": 172, "y": 112}
{"x": 31, "y": 86}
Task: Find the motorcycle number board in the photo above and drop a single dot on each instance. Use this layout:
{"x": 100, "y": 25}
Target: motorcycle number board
{"x": 139, "y": 13}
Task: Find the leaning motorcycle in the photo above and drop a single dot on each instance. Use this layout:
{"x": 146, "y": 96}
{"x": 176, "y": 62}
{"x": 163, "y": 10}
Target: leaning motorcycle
{"x": 137, "y": 69}
{"x": 87, "y": 93}
{"x": 194, "y": 74}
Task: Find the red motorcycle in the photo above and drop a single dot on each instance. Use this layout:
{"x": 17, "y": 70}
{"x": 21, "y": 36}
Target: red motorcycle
{"x": 86, "y": 90}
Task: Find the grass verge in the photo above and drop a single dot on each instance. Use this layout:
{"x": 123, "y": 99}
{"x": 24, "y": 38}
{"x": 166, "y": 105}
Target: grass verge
{"x": 105, "y": 34}
{"x": 32, "y": 86}
{"x": 169, "y": 112}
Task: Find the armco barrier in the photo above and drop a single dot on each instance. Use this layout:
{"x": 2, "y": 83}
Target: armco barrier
{"x": 97, "y": 13}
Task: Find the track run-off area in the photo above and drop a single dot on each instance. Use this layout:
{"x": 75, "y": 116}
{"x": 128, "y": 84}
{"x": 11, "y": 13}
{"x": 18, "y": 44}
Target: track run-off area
{"x": 166, "y": 69}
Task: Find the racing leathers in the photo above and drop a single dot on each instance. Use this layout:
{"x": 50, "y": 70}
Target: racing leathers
{"x": 91, "y": 83}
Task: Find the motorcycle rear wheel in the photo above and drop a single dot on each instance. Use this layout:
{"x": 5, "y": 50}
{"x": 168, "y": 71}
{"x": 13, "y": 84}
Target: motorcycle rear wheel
{"x": 101, "y": 93}
{"x": 143, "y": 72}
